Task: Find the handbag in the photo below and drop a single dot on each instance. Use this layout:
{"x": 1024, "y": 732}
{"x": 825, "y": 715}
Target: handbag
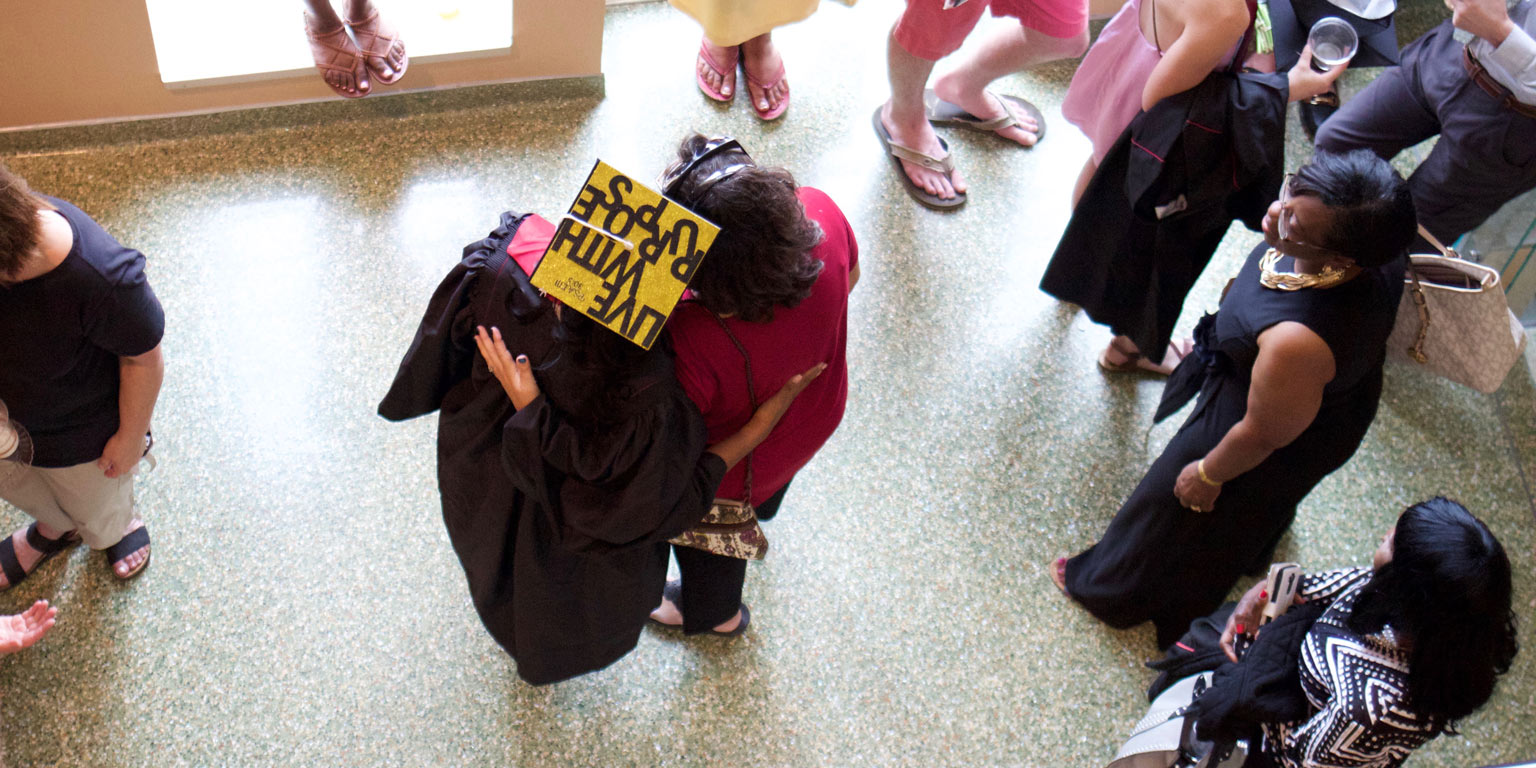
{"x": 730, "y": 528}
{"x": 1166, "y": 738}
{"x": 1454, "y": 322}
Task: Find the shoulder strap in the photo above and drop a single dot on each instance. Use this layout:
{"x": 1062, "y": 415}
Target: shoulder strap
{"x": 751, "y": 390}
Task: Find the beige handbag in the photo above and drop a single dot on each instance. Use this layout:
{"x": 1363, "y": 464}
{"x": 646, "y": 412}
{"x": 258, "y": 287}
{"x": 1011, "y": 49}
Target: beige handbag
{"x": 1453, "y": 321}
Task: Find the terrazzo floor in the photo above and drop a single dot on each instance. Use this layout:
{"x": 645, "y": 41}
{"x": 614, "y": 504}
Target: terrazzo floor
{"x": 304, "y": 606}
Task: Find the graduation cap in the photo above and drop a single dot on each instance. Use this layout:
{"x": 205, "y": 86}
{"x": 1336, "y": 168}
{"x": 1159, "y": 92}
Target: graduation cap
{"x": 1291, "y": 20}
{"x": 625, "y": 253}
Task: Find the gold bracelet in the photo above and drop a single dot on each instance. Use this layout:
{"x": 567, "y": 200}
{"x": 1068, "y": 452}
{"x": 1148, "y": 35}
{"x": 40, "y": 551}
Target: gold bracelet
{"x": 1204, "y": 478}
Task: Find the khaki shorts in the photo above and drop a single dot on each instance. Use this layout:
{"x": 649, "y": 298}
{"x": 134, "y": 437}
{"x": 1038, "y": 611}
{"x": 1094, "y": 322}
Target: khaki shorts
{"x": 79, "y": 498}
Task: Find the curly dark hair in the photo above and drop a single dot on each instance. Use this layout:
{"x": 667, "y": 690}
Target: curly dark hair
{"x": 762, "y": 257}
{"x": 19, "y": 225}
{"x": 1447, "y": 591}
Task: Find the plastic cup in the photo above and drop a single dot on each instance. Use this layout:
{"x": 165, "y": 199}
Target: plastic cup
{"x": 1334, "y": 43}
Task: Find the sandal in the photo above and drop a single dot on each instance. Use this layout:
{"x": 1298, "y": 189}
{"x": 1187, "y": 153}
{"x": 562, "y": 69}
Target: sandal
{"x": 771, "y": 113}
{"x": 724, "y": 70}
{"x": 335, "y": 52}
{"x": 944, "y": 165}
{"x": 941, "y": 112}
{"x": 1136, "y": 362}
{"x": 673, "y": 593}
{"x": 374, "y": 41}
{"x": 11, "y": 565}
{"x": 134, "y": 541}
{"x": 1058, "y": 573}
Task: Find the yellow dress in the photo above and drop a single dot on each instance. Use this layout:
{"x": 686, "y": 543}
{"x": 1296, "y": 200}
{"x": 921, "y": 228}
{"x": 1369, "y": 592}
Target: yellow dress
{"x": 733, "y": 22}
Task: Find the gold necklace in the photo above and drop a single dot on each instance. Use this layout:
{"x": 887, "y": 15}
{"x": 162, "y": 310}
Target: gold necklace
{"x": 1269, "y": 277}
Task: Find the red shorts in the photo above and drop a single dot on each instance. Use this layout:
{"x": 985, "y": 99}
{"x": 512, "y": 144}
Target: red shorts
{"x": 927, "y": 31}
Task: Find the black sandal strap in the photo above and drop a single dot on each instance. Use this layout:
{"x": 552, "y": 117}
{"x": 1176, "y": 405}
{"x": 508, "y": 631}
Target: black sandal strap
{"x": 128, "y": 545}
{"x": 9, "y": 564}
{"x": 49, "y": 546}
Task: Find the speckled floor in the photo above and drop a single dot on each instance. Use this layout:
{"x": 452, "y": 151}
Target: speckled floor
{"x": 304, "y": 607}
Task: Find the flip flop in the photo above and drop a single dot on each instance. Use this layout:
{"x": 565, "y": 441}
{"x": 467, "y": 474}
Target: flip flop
{"x": 136, "y": 539}
{"x": 11, "y": 566}
{"x": 673, "y": 593}
{"x": 772, "y": 113}
{"x": 1138, "y": 363}
{"x": 338, "y": 50}
{"x": 944, "y": 165}
{"x": 375, "y": 39}
{"x": 720, "y": 69}
{"x": 941, "y": 112}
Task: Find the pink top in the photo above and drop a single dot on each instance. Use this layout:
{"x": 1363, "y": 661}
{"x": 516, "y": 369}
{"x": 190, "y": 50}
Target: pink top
{"x": 713, "y": 372}
{"x": 1105, "y": 93}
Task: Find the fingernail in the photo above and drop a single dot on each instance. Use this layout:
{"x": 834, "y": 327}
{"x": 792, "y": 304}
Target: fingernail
{"x": 1240, "y": 629}
{"x": 523, "y": 359}
{"x": 1263, "y": 594}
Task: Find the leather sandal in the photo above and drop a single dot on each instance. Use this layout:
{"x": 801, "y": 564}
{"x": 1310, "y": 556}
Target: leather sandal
{"x": 1058, "y": 573}
{"x": 944, "y": 165}
{"x": 375, "y": 39}
{"x": 334, "y": 51}
{"x": 941, "y": 112}
{"x": 11, "y": 565}
{"x": 134, "y": 541}
{"x": 1136, "y": 362}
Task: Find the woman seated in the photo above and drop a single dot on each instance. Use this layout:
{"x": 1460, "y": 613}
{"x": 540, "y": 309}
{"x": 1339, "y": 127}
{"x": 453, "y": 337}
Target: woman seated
{"x": 1288, "y": 374}
{"x": 1403, "y": 650}
{"x": 563, "y": 469}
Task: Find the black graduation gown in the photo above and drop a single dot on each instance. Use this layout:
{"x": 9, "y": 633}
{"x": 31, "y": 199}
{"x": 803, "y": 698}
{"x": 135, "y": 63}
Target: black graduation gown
{"x": 1200, "y": 159}
{"x": 1161, "y": 562}
{"x": 561, "y": 532}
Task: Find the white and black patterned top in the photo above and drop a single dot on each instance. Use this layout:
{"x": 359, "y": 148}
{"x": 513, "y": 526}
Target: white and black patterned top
{"x": 1357, "y": 687}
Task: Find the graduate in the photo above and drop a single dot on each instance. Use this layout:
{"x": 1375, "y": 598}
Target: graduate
{"x": 567, "y": 456}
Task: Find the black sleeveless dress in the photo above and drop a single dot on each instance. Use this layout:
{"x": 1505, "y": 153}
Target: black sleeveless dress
{"x": 1162, "y": 562}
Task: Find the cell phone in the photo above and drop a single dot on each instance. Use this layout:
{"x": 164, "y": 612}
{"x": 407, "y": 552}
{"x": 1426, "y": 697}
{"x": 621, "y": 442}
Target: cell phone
{"x": 1284, "y": 580}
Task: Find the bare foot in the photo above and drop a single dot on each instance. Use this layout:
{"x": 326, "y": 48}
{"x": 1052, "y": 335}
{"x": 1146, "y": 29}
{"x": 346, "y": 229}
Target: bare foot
{"x": 126, "y": 566}
{"x": 380, "y": 42}
{"x": 987, "y": 107}
{"x": 723, "y": 79}
{"x": 340, "y": 63}
{"x": 916, "y": 133}
{"x": 759, "y": 57}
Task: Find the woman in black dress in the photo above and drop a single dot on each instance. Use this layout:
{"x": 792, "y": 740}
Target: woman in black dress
{"x": 1288, "y": 373}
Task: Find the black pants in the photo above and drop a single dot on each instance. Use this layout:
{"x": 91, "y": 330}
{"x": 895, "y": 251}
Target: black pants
{"x": 1486, "y": 155}
{"x": 712, "y": 583}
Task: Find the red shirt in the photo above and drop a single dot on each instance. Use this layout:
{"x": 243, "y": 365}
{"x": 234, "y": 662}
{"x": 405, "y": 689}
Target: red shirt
{"x": 714, "y": 374}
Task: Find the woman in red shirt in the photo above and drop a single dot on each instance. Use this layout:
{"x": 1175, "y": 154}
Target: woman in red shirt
{"x": 776, "y": 281}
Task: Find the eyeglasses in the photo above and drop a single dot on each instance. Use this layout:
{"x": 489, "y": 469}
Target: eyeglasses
{"x": 718, "y": 145}
{"x": 1283, "y": 228}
